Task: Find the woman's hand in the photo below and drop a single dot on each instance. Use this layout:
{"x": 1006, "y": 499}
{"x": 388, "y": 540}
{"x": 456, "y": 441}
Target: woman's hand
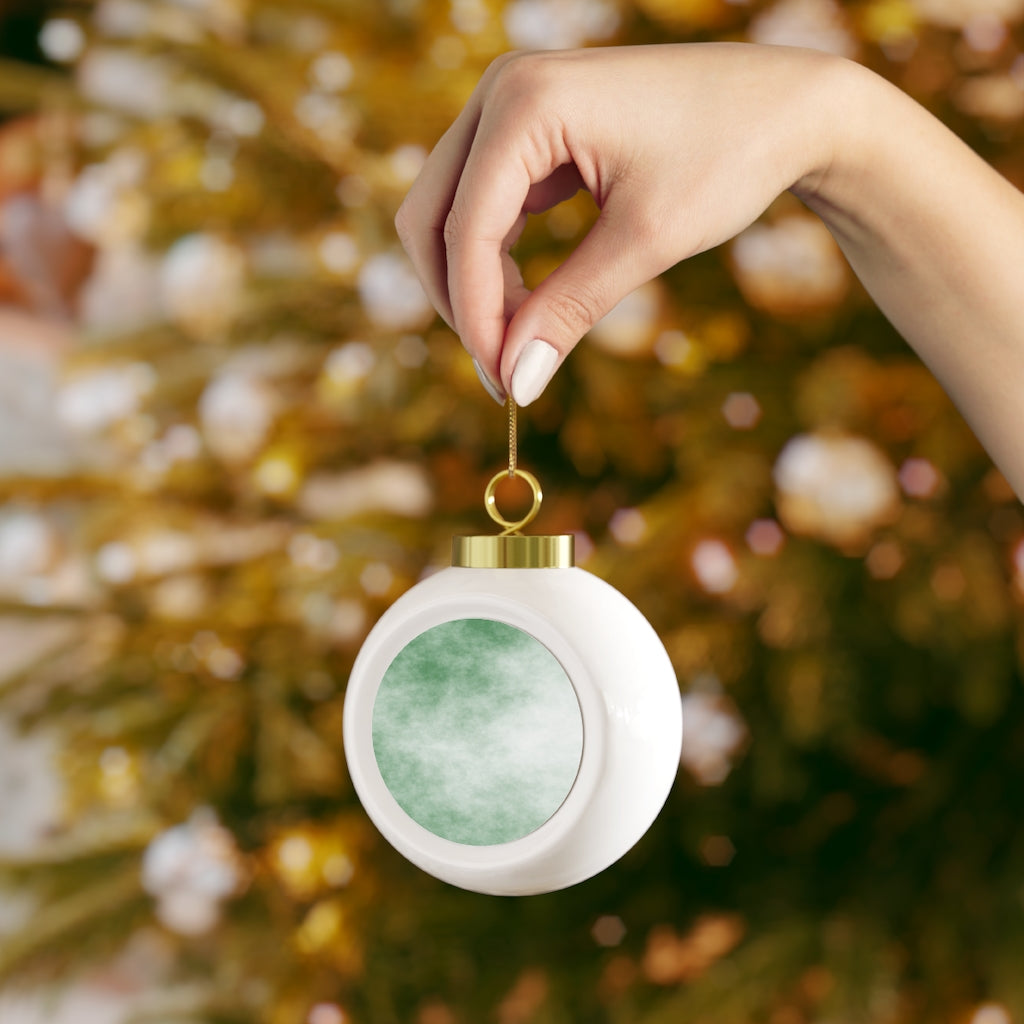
{"x": 684, "y": 146}
{"x": 680, "y": 146}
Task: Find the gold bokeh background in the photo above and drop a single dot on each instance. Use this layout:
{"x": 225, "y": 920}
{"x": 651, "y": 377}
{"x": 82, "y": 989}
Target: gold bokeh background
{"x": 234, "y": 433}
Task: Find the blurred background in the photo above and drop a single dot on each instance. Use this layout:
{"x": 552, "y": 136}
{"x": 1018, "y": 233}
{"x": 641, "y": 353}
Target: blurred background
{"x": 232, "y": 432}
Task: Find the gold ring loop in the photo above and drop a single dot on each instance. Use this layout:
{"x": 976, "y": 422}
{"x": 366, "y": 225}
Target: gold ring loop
{"x": 490, "y": 502}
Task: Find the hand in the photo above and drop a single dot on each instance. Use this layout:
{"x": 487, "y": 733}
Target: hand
{"x": 681, "y": 147}
{"x": 684, "y": 146}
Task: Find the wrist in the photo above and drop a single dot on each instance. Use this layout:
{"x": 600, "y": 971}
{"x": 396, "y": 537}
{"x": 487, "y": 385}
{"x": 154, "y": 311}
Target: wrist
{"x": 881, "y": 175}
{"x": 843, "y": 105}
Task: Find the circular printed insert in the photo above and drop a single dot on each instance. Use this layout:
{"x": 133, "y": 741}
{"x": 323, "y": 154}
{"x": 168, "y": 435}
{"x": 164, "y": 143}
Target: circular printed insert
{"x": 477, "y": 732}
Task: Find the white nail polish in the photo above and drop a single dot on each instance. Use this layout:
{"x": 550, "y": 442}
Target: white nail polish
{"x": 489, "y": 386}
{"x": 534, "y": 369}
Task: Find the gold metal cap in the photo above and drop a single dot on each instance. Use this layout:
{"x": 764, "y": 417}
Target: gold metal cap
{"x": 514, "y": 551}
{"x": 510, "y": 549}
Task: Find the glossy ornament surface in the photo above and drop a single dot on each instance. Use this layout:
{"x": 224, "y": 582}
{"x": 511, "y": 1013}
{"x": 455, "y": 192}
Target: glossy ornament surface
{"x": 513, "y": 723}
{"x": 513, "y": 796}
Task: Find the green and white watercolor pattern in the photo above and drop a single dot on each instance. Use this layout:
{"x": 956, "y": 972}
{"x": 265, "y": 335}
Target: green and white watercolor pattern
{"x": 477, "y": 732}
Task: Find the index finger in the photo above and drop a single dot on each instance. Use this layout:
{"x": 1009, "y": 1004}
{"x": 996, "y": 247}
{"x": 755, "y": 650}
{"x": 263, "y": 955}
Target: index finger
{"x": 421, "y": 217}
{"x": 503, "y": 165}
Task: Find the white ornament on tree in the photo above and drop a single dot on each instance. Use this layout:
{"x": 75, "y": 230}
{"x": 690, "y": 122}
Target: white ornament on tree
{"x": 190, "y": 870}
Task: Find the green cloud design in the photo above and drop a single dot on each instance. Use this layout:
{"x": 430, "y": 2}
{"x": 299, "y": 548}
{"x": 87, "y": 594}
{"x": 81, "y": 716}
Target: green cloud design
{"x": 477, "y": 732}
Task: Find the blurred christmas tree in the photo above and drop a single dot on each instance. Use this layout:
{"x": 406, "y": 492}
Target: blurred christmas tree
{"x": 266, "y": 437}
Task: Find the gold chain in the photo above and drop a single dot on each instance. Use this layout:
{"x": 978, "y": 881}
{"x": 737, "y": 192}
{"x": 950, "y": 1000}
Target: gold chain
{"x": 513, "y": 440}
{"x": 512, "y": 527}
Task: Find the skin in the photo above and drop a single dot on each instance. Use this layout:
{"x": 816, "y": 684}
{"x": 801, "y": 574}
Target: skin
{"x": 682, "y": 147}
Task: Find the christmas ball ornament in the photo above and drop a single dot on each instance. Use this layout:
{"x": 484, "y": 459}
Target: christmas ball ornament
{"x": 512, "y": 723}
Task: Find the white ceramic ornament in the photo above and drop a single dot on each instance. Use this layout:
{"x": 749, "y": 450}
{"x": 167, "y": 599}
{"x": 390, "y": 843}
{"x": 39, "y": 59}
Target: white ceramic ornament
{"x": 512, "y": 723}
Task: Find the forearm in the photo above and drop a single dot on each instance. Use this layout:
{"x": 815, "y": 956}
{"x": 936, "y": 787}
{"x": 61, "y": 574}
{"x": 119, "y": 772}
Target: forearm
{"x": 937, "y": 238}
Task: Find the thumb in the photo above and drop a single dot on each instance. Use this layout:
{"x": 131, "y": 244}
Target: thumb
{"x": 607, "y": 265}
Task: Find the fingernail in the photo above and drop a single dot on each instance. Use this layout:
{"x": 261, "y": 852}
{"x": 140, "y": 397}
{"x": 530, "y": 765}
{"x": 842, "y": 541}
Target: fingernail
{"x": 534, "y": 369}
{"x": 489, "y": 386}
